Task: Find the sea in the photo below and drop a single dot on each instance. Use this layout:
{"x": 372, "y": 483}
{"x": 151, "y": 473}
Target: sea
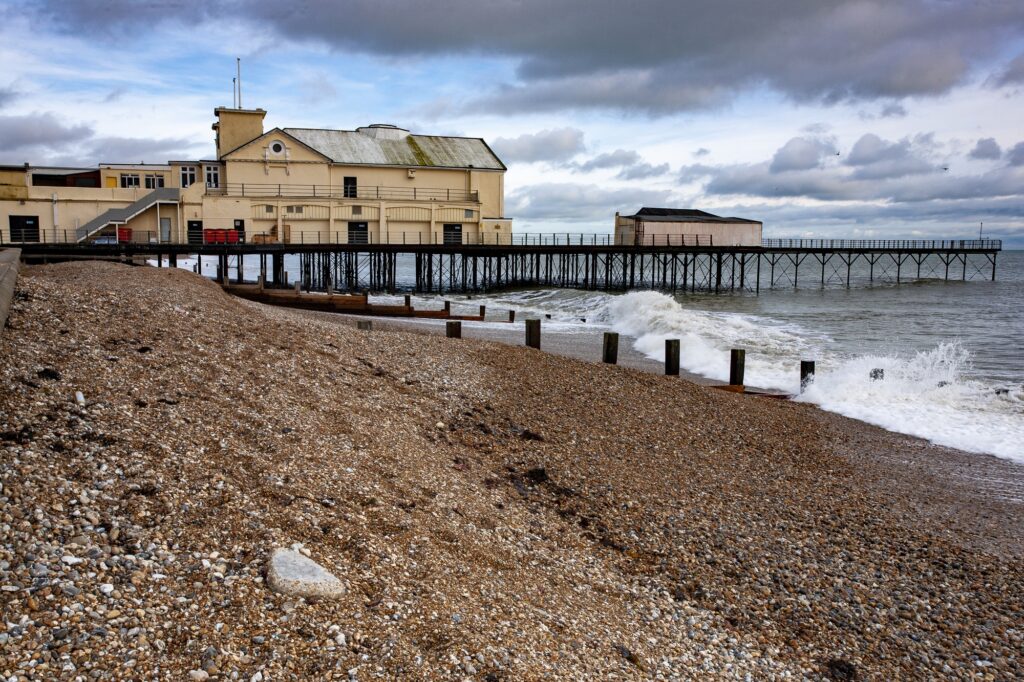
{"x": 952, "y": 352}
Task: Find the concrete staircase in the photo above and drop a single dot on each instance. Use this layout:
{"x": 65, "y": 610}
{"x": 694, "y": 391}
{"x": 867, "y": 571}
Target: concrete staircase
{"x": 120, "y": 216}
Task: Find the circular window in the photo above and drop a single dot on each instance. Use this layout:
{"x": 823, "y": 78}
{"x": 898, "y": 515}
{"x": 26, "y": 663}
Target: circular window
{"x": 276, "y": 147}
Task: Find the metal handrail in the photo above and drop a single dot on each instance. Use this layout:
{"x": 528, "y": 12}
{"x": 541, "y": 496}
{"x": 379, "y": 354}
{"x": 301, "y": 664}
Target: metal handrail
{"x": 961, "y": 244}
{"x": 250, "y": 189}
{"x": 484, "y": 238}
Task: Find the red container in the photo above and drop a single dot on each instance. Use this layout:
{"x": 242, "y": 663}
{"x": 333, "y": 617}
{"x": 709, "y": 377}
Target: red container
{"x": 124, "y": 234}
{"x": 232, "y": 236}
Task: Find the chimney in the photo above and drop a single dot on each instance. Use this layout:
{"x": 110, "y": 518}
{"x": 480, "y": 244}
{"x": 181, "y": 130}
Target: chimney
{"x": 235, "y": 127}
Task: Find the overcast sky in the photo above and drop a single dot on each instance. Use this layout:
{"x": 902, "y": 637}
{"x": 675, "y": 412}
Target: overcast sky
{"x": 882, "y": 119}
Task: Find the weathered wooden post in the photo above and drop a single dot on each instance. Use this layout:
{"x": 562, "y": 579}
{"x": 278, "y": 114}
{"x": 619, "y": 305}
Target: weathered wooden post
{"x": 447, "y": 307}
{"x": 806, "y": 374}
{"x": 511, "y": 316}
{"x": 364, "y": 325}
{"x": 737, "y": 362}
{"x": 408, "y": 301}
{"x": 610, "y": 353}
{"x": 298, "y": 288}
{"x": 533, "y": 334}
{"x": 453, "y": 329}
{"x": 672, "y": 357}
{"x": 483, "y": 311}
{"x": 172, "y": 260}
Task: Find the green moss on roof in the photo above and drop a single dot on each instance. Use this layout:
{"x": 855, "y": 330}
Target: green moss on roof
{"x": 417, "y": 151}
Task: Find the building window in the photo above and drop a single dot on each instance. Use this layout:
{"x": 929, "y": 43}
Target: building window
{"x": 357, "y": 210}
{"x": 293, "y": 209}
{"x": 276, "y": 147}
{"x": 213, "y": 176}
{"x": 351, "y": 189}
{"x": 188, "y": 176}
{"x": 269, "y": 208}
{"x": 468, "y": 213}
{"x": 129, "y": 180}
{"x": 153, "y": 181}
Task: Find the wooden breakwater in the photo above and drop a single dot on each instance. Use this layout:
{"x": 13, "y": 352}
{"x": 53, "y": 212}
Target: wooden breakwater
{"x": 350, "y": 304}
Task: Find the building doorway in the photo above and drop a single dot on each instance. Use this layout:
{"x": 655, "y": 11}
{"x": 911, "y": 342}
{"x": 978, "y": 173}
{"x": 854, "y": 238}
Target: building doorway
{"x": 358, "y": 233}
{"x": 195, "y": 232}
{"x": 452, "y": 233}
{"x": 24, "y": 228}
{"x": 351, "y": 189}
{"x": 165, "y": 230}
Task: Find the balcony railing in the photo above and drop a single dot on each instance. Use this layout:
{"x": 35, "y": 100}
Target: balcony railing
{"x": 887, "y": 244}
{"x": 261, "y": 190}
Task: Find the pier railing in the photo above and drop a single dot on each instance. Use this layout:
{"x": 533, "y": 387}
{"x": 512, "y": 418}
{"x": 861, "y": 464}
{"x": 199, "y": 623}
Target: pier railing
{"x": 886, "y": 244}
{"x": 475, "y": 237}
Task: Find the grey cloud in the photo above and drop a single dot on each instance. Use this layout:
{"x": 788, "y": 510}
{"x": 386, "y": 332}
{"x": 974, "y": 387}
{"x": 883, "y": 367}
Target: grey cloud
{"x": 659, "y": 57}
{"x": 875, "y": 158}
{"x": 986, "y": 148}
{"x": 801, "y": 153}
{"x": 694, "y": 172}
{"x": 646, "y": 91}
{"x": 893, "y": 110}
{"x": 641, "y": 171}
{"x": 1013, "y": 73}
{"x": 43, "y": 138}
{"x": 7, "y": 95}
{"x": 570, "y": 202}
{"x": 132, "y": 149}
{"x": 703, "y": 151}
{"x": 547, "y": 145}
{"x": 870, "y": 148}
{"x": 840, "y": 184}
{"x": 938, "y": 219}
{"x": 1016, "y": 155}
{"x": 115, "y": 94}
{"x": 38, "y": 130}
{"x": 615, "y": 159}
{"x": 632, "y": 165}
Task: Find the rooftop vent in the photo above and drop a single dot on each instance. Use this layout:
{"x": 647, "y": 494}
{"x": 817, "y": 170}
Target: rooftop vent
{"x": 383, "y": 131}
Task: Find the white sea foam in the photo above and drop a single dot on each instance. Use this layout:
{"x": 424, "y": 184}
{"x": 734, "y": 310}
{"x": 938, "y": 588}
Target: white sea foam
{"x": 928, "y": 394}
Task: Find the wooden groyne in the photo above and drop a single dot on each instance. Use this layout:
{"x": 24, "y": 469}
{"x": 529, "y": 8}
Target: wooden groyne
{"x": 349, "y": 304}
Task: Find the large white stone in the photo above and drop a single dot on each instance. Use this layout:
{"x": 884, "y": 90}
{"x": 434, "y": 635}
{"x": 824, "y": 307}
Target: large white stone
{"x": 289, "y": 572}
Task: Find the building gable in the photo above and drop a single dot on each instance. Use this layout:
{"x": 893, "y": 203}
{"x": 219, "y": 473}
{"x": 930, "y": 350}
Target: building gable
{"x": 275, "y": 146}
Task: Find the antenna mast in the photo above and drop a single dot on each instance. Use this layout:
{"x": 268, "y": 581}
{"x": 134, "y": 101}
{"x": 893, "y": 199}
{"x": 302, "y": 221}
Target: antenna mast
{"x": 234, "y": 92}
{"x": 238, "y": 66}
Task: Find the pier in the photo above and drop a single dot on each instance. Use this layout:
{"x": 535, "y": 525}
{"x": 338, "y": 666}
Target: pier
{"x": 583, "y": 261}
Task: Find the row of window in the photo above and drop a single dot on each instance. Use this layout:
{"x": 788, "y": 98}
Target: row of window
{"x": 152, "y": 180}
{"x": 356, "y": 210}
{"x": 188, "y": 178}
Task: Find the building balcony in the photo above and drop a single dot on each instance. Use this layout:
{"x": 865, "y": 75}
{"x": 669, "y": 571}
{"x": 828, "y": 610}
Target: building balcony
{"x": 265, "y": 190}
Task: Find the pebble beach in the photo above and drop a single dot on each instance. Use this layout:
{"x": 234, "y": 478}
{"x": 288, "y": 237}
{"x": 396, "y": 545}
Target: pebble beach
{"x": 490, "y": 512}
